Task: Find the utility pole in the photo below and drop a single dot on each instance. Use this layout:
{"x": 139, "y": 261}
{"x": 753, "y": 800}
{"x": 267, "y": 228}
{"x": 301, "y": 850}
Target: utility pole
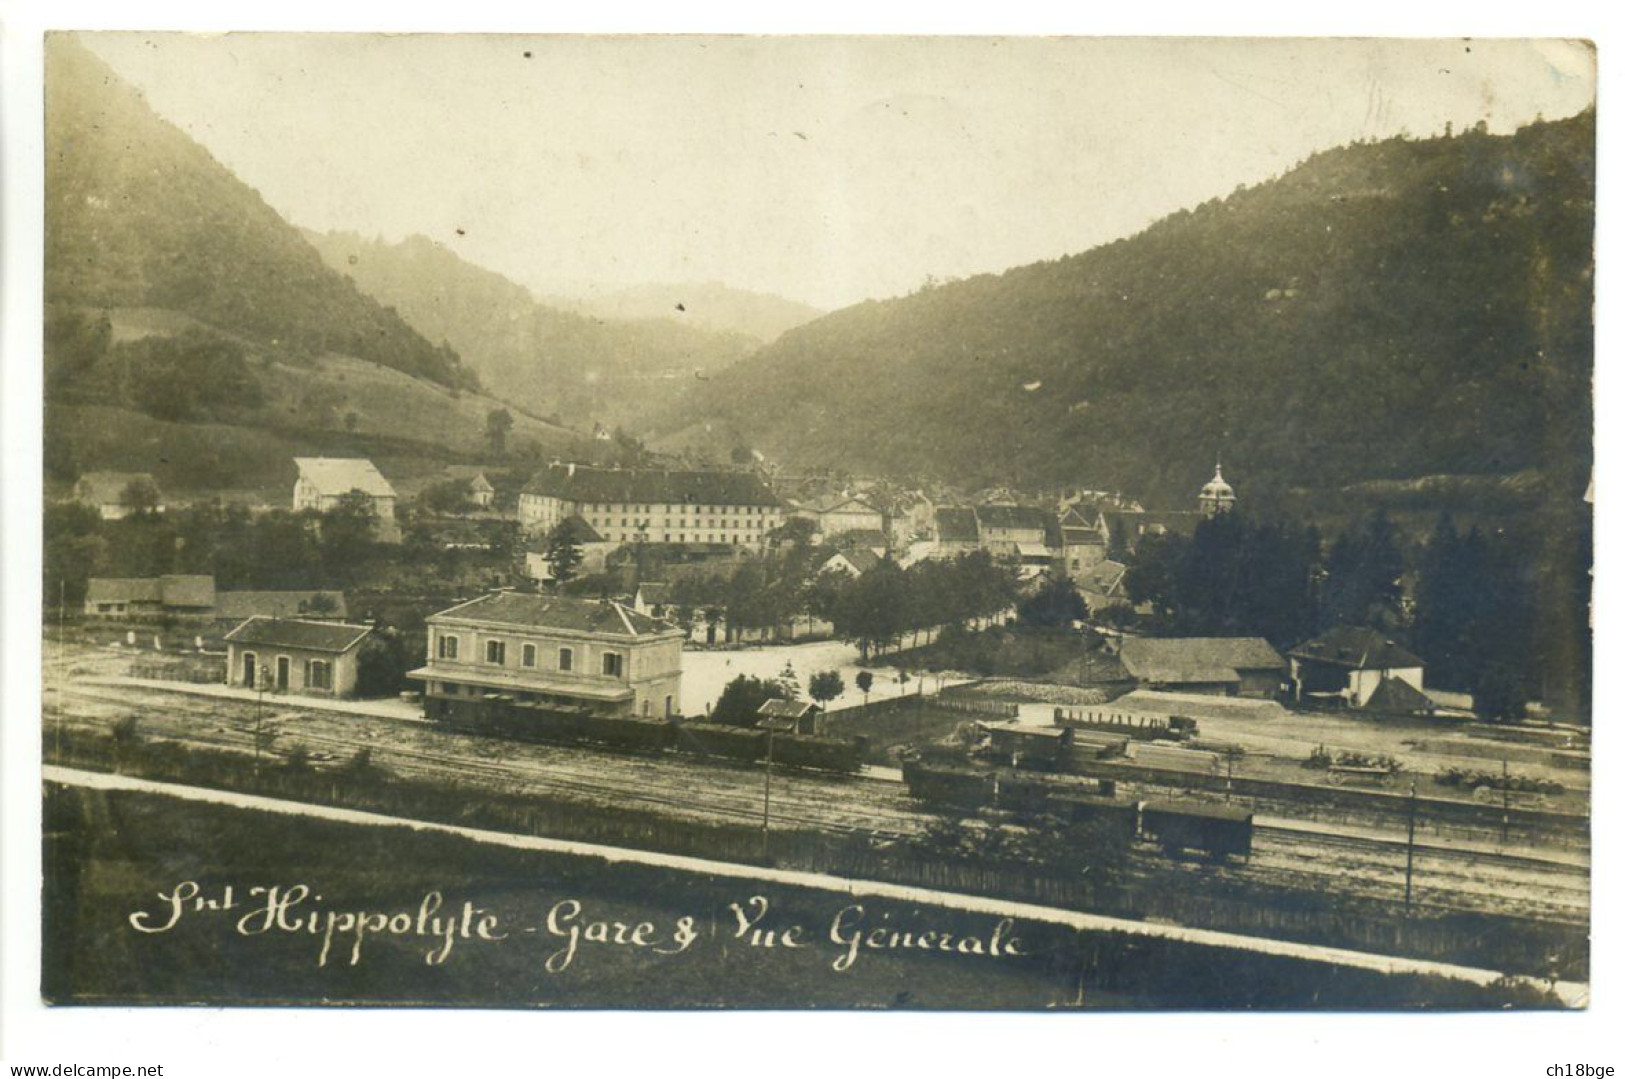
{"x": 767, "y": 793}
{"x": 1506, "y": 802}
{"x": 1410, "y": 848}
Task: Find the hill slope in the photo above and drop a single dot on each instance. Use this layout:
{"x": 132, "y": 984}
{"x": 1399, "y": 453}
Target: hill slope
{"x": 185, "y": 317}
{"x": 139, "y": 215}
{"x": 543, "y": 358}
{"x": 1382, "y": 311}
{"x": 709, "y": 305}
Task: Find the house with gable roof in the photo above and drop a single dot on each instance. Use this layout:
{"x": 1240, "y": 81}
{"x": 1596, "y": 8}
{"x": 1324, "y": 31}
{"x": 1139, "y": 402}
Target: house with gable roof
{"x": 324, "y": 482}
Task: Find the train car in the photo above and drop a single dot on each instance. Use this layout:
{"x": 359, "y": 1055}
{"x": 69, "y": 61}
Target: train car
{"x": 1120, "y": 819}
{"x": 956, "y": 787}
{"x": 721, "y": 740}
{"x": 1036, "y": 748}
{"x": 1215, "y": 830}
{"x": 822, "y": 754}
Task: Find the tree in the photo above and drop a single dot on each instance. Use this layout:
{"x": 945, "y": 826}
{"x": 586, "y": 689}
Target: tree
{"x": 347, "y": 538}
{"x": 1056, "y": 605}
{"x": 865, "y": 682}
{"x": 1362, "y": 576}
{"x": 381, "y": 666}
{"x": 140, "y": 495}
{"x": 789, "y": 682}
{"x": 497, "y": 425}
{"x": 743, "y": 698}
{"x": 563, "y": 552}
{"x": 825, "y": 686}
{"x": 741, "y": 455}
{"x": 447, "y": 496}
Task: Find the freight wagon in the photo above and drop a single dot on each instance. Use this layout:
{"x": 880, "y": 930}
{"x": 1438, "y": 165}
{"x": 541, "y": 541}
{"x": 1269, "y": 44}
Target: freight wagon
{"x": 1214, "y": 830}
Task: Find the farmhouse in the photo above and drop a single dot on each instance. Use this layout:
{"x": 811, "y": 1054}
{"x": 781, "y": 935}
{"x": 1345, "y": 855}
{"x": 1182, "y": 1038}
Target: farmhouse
{"x": 294, "y": 655}
{"x": 1229, "y": 666}
{"x": 652, "y": 506}
{"x": 1351, "y": 663}
{"x": 110, "y": 493}
{"x": 324, "y": 481}
{"x": 593, "y": 654}
{"x": 172, "y": 597}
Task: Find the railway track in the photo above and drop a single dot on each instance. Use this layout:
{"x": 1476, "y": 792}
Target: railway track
{"x": 683, "y": 798}
{"x": 1308, "y": 859}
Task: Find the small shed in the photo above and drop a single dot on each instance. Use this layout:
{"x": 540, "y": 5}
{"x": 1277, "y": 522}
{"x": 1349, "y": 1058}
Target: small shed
{"x": 789, "y": 717}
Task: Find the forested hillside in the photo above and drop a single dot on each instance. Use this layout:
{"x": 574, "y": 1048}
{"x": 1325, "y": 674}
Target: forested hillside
{"x": 1384, "y": 310}
{"x": 191, "y": 331}
{"x": 139, "y": 215}
{"x": 580, "y": 366}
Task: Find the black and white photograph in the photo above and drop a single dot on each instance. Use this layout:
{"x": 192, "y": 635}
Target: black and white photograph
{"x": 640, "y": 522}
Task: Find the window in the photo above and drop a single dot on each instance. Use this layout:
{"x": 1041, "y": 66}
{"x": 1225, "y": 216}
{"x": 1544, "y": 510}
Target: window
{"x": 448, "y": 647}
{"x": 527, "y": 656}
{"x": 646, "y": 708}
{"x": 566, "y": 659}
{"x": 496, "y": 652}
{"x": 668, "y": 706}
{"x": 318, "y": 674}
{"x": 612, "y": 664}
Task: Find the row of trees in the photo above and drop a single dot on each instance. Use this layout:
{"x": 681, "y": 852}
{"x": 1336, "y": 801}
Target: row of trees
{"x": 275, "y": 550}
{"x": 875, "y": 610}
{"x": 1471, "y": 613}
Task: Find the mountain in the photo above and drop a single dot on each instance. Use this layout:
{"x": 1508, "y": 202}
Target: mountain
{"x": 1384, "y": 310}
{"x": 547, "y": 359}
{"x": 710, "y": 305}
{"x": 139, "y": 215}
{"x": 191, "y": 330}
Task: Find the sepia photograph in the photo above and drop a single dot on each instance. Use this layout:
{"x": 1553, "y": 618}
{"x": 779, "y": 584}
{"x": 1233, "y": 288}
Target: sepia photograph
{"x": 662, "y": 522}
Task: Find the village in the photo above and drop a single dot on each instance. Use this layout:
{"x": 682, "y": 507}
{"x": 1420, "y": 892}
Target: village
{"x": 971, "y": 675}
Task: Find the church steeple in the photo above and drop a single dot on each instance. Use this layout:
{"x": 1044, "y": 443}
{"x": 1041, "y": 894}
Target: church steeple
{"x": 1218, "y": 496}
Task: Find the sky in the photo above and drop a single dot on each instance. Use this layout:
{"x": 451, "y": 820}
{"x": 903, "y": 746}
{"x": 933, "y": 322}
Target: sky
{"x": 825, "y": 170}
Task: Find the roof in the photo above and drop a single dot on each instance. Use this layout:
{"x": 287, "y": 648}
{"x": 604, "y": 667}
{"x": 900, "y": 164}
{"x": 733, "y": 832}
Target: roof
{"x": 579, "y": 483}
{"x": 831, "y": 503}
{"x": 1400, "y": 697}
{"x": 861, "y": 537}
{"x": 1200, "y": 809}
{"x": 957, "y": 524}
{"x": 341, "y": 475}
{"x": 1029, "y": 517}
{"x": 237, "y": 606}
{"x": 1103, "y": 577}
{"x": 1033, "y": 550}
{"x": 171, "y": 590}
{"x": 1079, "y": 536}
{"x": 655, "y": 591}
{"x": 299, "y": 633}
{"x": 1358, "y": 648}
{"x": 860, "y": 559}
{"x": 107, "y": 488}
{"x": 123, "y": 590}
{"x": 779, "y": 708}
{"x": 557, "y": 612}
{"x": 1174, "y": 660}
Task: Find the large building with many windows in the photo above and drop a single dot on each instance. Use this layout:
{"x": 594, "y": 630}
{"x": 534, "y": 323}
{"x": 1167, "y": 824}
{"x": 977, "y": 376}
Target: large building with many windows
{"x": 653, "y": 505}
{"x": 558, "y": 650}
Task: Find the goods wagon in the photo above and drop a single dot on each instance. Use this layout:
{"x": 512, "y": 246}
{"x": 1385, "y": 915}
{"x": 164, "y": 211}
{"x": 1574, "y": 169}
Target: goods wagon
{"x": 1217, "y": 831}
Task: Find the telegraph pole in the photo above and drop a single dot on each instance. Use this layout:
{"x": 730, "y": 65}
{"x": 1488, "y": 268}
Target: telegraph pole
{"x": 767, "y": 793}
{"x": 1410, "y": 848}
{"x": 1506, "y": 802}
